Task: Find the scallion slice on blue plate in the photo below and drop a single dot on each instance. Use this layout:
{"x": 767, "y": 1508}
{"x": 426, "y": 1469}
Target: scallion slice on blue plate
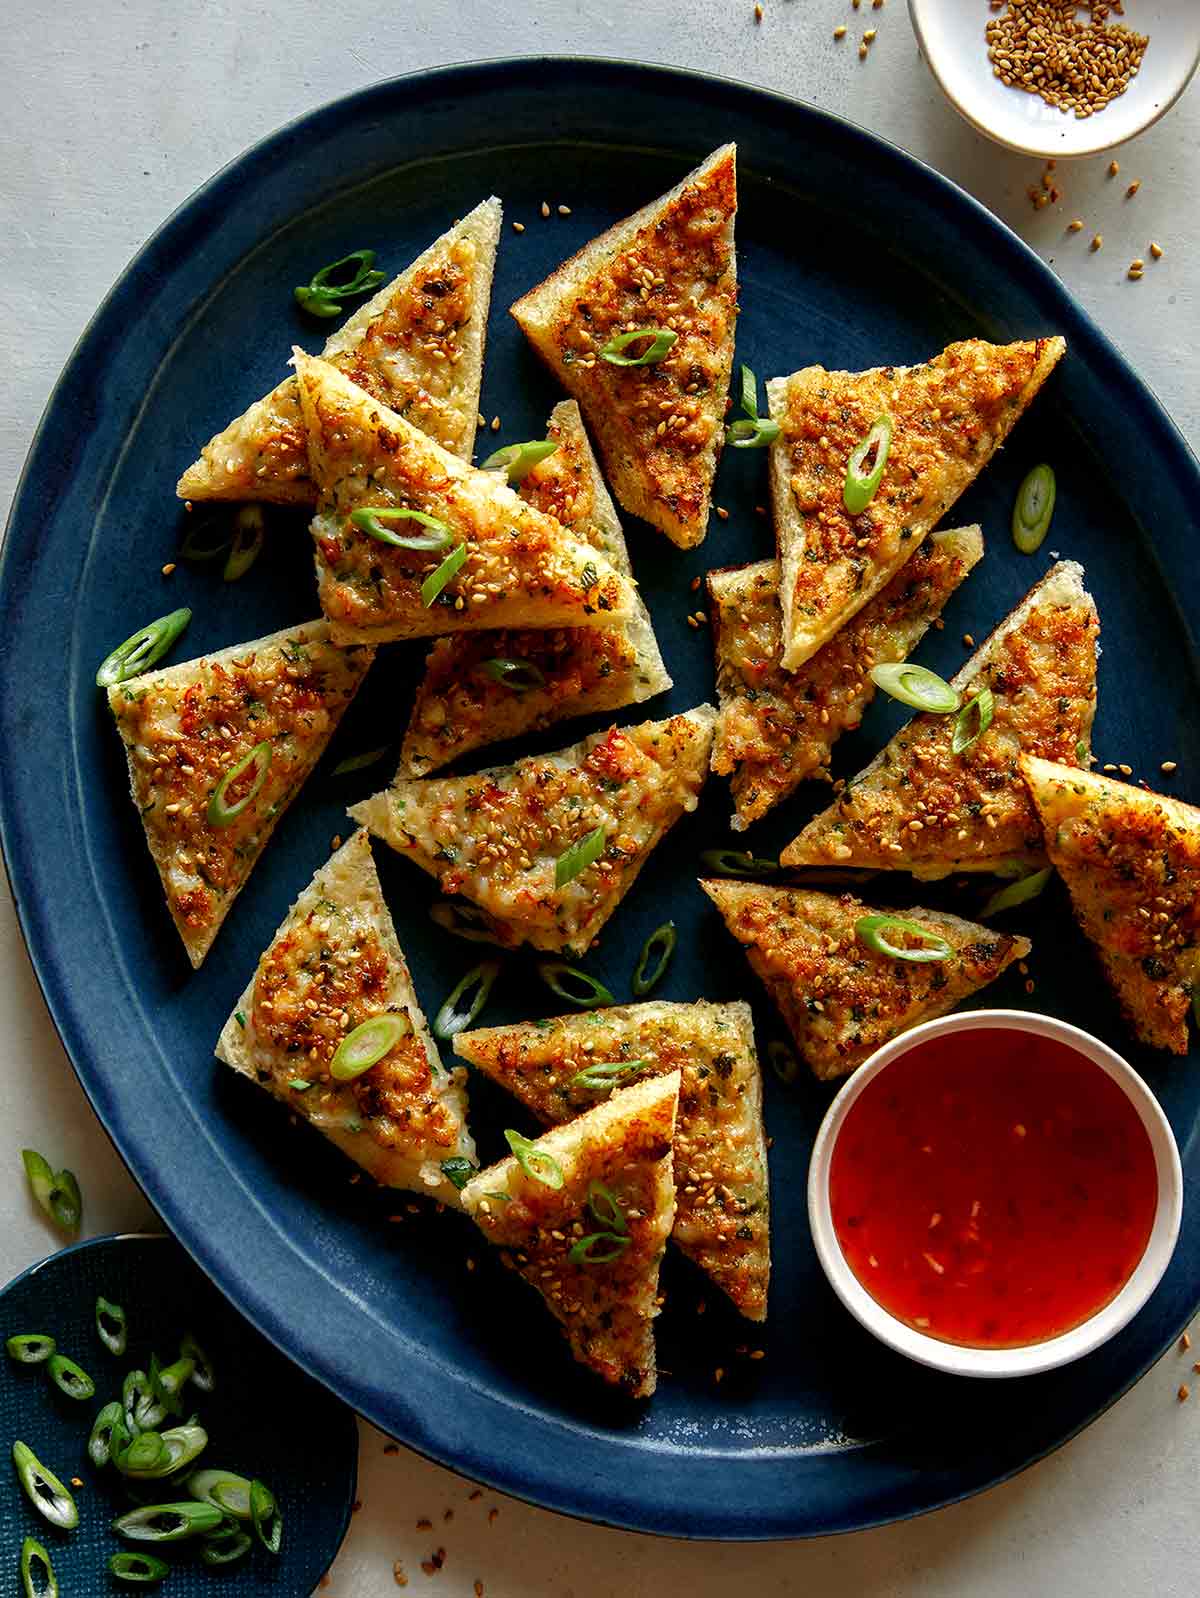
{"x": 588, "y": 994}
{"x": 455, "y": 1015}
{"x": 70, "y": 1378}
{"x": 137, "y": 1569}
{"x": 43, "y": 1489}
{"x": 264, "y": 1512}
{"x": 142, "y": 649}
{"x": 30, "y": 1348}
{"x": 654, "y": 959}
{"x": 1033, "y": 509}
{"x": 111, "y": 1326}
{"x": 1014, "y": 893}
{"x": 37, "y": 1573}
{"x": 249, "y": 530}
{"x": 168, "y": 1523}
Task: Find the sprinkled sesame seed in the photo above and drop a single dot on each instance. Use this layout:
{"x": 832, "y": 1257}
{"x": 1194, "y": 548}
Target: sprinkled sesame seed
{"x": 1168, "y": 766}
{"x": 1184, "y": 1393}
{"x": 869, "y": 36}
{"x": 1098, "y": 242}
{"x": 862, "y": 52}
{"x": 1133, "y": 188}
{"x": 968, "y": 641}
{"x": 840, "y": 31}
{"x": 1135, "y": 274}
{"x": 518, "y": 227}
{"x": 1156, "y": 250}
{"x": 758, "y": 13}
{"x": 1185, "y": 1342}
{"x": 495, "y": 424}
{"x": 1113, "y": 168}
{"x": 545, "y": 208}
{"x": 1126, "y": 771}
{"x": 564, "y": 210}
{"x": 168, "y": 568}
{"x": 722, "y": 513}
{"x": 1076, "y": 226}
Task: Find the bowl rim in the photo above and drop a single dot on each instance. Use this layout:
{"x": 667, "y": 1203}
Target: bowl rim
{"x": 919, "y": 12}
{"x": 1027, "y": 1359}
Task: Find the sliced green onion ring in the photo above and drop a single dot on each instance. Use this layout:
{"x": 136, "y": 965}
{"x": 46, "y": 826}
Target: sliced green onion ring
{"x": 142, "y": 649}
{"x": 605, "y": 1207}
{"x": 143, "y": 1410}
{"x": 437, "y": 580}
{"x": 179, "y": 1447}
{"x": 144, "y": 1455}
{"x": 783, "y": 1061}
{"x": 37, "y": 1573}
{"x": 367, "y": 1044}
{"x": 220, "y": 814}
{"x": 661, "y": 341}
{"x": 225, "y": 1550}
{"x": 108, "y": 1435}
{"x": 375, "y": 520}
{"x": 602, "y": 1075}
{"x": 464, "y": 920}
{"x": 873, "y": 929}
{"x": 111, "y": 1326}
{"x": 249, "y": 530}
{"x": 519, "y": 675}
{"x": 168, "y": 1523}
{"x": 916, "y": 686}
{"x": 202, "y": 1370}
{"x": 30, "y": 1348}
{"x": 1014, "y": 893}
{"x": 980, "y": 709}
{"x": 556, "y": 974}
{"x": 70, "y": 1378}
{"x": 458, "y": 1170}
{"x": 747, "y": 433}
{"x": 323, "y": 294}
{"x": 861, "y": 482}
{"x": 737, "y": 863}
{"x": 455, "y": 1016}
{"x": 369, "y": 757}
{"x": 223, "y": 1488}
{"x": 137, "y": 1569}
{"x": 540, "y": 1167}
{"x": 43, "y": 1489}
{"x": 598, "y": 1248}
{"x": 57, "y": 1192}
{"x": 1033, "y": 509}
{"x": 658, "y": 947}
{"x": 171, "y": 1382}
{"x": 195, "y": 550}
{"x": 518, "y": 460}
{"x": 264, "y": 1512}
{"x": 584, "y": 852}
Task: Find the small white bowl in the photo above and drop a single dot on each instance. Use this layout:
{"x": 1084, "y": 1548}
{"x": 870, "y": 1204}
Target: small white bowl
{"x": 950, "y": 34}
{"x": 957, "y": 1358}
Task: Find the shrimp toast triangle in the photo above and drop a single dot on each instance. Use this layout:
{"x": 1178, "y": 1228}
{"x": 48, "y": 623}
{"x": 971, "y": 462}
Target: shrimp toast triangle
{"x": 549, "y": 847}
{"x": 840, "y": 998}
{"x": 776, "y": 727}
{"x": 482, "y": 687}
{"x": 561, "y": 1067}
{"x": 948, "y": 418}
{"x": 218, "y": 748}
{"x": 921, "y": 808}
{"x": 484, "y": 557}
{"x": 334, "y": 964}
{"x": 669, "y": 268}
{"x": 604, "y": 1177}
{"x": 1131, "y": 863}
{"x": 417, "y": 347}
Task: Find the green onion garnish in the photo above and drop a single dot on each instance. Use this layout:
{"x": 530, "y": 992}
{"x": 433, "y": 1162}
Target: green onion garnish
{"x": 659, "y": 947}
{"x": 146, "y": 1452}
{"x": 248, "y": 533}
{"x": 980, "y": 709}
{"x": 737, "y": 863}
{"x": 37, "y": 1573}
{"x": 142, "y": 1409}
{"x": 556, "y": 973}
{"x": 862, "y": 479}
{"x": 602, "y": 1075}
{"x": 151, "y": 1455}
{"x": 519, "y": 675}
{"x": 518, "y": 460}
{"x": 463, "y": 920}
{"x": 108, "y": 1435}
{"x": 584, "y": 852}
{"x": 220, "y": 814}
{"x": 70, "y": 1378}
{"x": 369, "y": 757}
{"x": 916, "y": 686}
{"x": 367, "y": 1044}
{"x": 783, "y": 1061}
{"x": 1033, "y": 509}
{"x": 374, "y": 520}
{"x": 224, "y": 1547}
{"x": 168, "y": 1523}
{"x": 605, "y": 1207}
{"x": 598, "y": 1248}
{"x": 299, "y": 1084}
{"x": 455, "y": 1016}
{"x": 437, "y": 580}
{"x": 142, "y": 649}
{"x": 750, "y": 431}
{"x": 240, "y": 1017}
{"x": 111, "y": 1327}
{"x": 30, "y": 1348}
{"x": 44, "y": 1490}
{"x": 223, "y": 1488}
{"x": 342, "y": 280}
{"x": 203, "y": 1379}
{"x": 197, "y": 549}
{"x": 662, "y": 339}
{"x": 264, "y": 1511}
{"x": 169, "y": 1382}
{"x": 57, "y": 1192}
{"x": 137, "y": 1569}
{"x": 873, "y": 929}
{"x": 458, "y": 1170}
{"x": 541, "y": 1167}
{"x": 1015, "y": 893}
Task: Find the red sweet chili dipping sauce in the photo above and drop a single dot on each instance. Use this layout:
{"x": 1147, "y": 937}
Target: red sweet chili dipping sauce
{"x": 992, "y": 1188}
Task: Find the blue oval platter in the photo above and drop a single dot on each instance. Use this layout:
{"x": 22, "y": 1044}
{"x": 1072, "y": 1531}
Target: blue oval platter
{"x": 851, "y": 254}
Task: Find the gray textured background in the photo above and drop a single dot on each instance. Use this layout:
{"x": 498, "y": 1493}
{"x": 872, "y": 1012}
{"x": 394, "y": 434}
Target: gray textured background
{"x": 109, "y": 116}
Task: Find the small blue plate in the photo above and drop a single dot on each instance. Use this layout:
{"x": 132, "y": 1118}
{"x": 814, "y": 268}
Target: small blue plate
{"x": 264, "y": 1418}
{"x": 850, "y": 253}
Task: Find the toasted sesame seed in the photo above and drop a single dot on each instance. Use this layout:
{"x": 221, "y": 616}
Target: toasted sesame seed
{"x": 722, "y": 513}
{"x": 1076, "y": 226}
{"x": 862, "y": 52}
{"x": 1137, "y": 264}
{"x": 1126, "y": 771}
{"x": 1098, "y": 242}
{"x": 168, "y": 568}
{"x": 1156, "y": 250}
{"x": 1185, "y": 1342}
{"x": 758, "y": 13}
{"x": 1133, "y": 188}
{"x": 495, "y": 424}
{"x": 968, "y": 641}
{"x": 1079, "y": 66}
{"x": 840, "y": 31}
{"x": 518, "y": 227}
{"x": 1113, "y": 168}
{"x": 869, "y": 36}
{"x": 1168, "y": 766}
{"x": 564, "y": 210}
{"x": 1184, "y": 1393}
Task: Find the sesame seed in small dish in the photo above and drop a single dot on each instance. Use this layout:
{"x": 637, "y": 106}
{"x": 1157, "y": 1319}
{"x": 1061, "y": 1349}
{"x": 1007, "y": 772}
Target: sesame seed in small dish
{"x": 1059, "y": 77}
